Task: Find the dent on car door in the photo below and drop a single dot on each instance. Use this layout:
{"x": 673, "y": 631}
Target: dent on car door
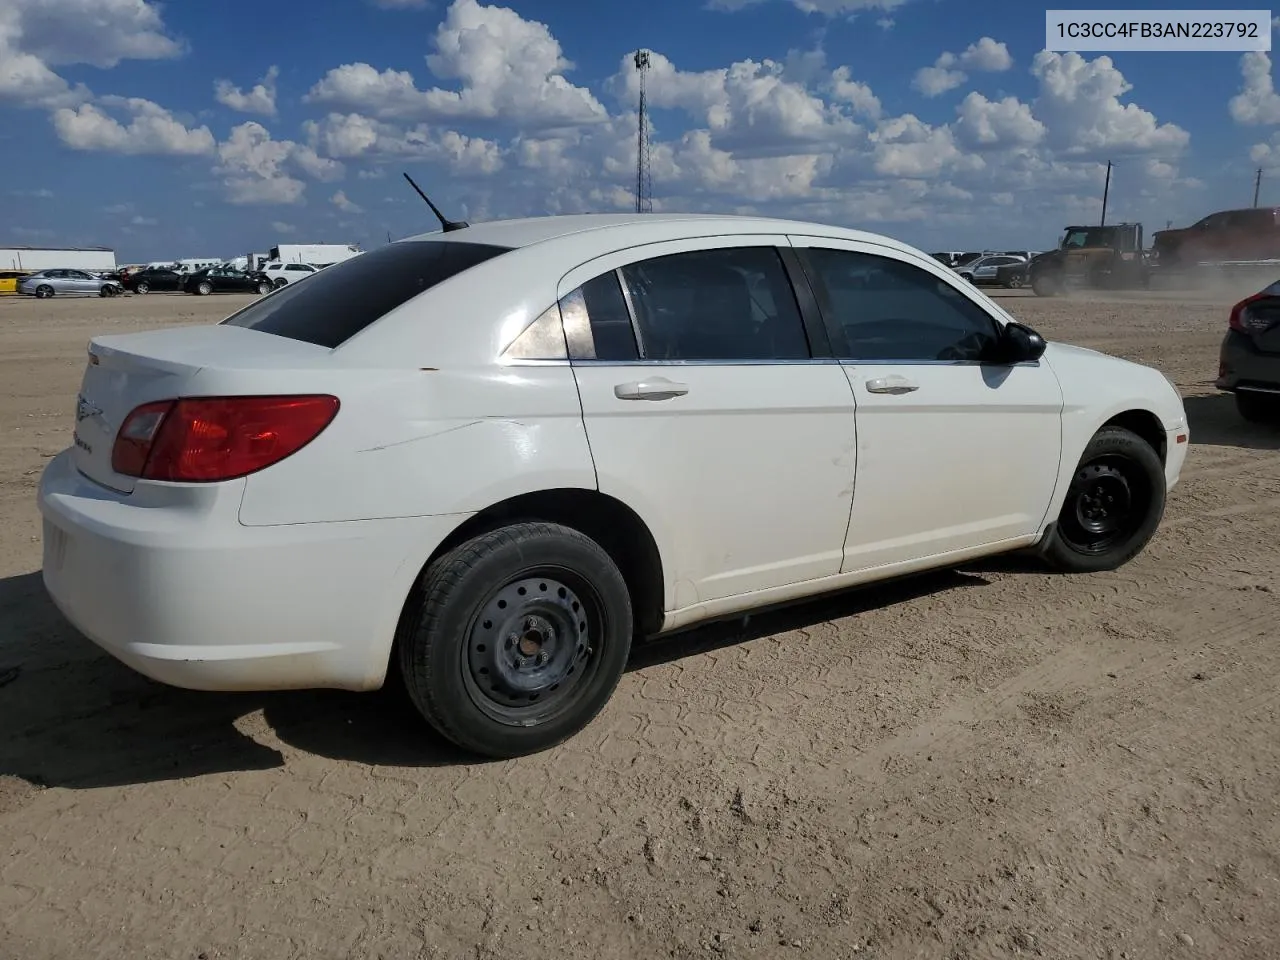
{"x": 706, "y": 411}
{"x": 955, "y": 451}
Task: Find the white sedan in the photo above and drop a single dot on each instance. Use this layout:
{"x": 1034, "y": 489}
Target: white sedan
{"x": 499, "y": 454}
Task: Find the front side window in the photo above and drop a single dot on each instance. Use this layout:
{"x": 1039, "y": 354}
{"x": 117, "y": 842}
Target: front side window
{"x": 725, "y": 304}
{"x": 887, "y": 310}
{"x": 353, "y": 294}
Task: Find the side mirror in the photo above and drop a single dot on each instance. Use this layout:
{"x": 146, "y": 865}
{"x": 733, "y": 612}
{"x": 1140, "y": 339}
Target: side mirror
{"x": 1020, "y": 344}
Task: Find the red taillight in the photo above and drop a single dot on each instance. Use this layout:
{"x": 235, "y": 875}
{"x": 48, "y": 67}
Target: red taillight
{"x": 1236, "y": 321}
{"x": 206, "y": 439}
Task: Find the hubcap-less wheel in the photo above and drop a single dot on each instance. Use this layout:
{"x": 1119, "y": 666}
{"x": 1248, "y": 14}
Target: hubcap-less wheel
{"x": 1105, "y": 504}
{"x": 530, "y": 648}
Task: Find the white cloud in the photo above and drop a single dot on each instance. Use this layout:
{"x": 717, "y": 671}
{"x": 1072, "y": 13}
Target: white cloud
{"x": 986, "y": 124}
{"x": 508, "y": 67}
{"x": 1079, "y": 103}
{"x": 140, "y": 221}
{"x": 279, "y": 226}
{"x": 258, "y": 169}
{"x": 151, "y": 130}
{"x": 37, "y": 35}
{"x": 750, "y": 105}
{"x": 353, "y": 135}
{"x": 948, "y": 71}
{"x": 341, "y": 201}
{"x": 1257, "y": 102}
{"x": 261, "y": 99}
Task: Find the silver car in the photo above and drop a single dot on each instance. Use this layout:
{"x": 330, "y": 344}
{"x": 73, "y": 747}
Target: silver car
{"x": 46, "y": 283}
{"x": 986, "y": 269}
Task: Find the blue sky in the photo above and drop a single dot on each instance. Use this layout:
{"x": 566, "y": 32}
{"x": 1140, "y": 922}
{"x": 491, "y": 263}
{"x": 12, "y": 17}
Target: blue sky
{"x": 196, "y": 129}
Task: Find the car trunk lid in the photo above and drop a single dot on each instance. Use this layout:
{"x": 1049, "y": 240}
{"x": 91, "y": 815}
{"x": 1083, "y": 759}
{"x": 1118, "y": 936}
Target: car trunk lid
{"x": 128, "y": 370}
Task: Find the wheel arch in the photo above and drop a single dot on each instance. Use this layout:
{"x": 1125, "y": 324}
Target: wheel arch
{"x": 1146, "y": 425}
{"x": 610, "y": 522}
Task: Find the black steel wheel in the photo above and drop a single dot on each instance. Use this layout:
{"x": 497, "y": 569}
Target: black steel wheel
{"x": 1113, "y": 505}
{"x": 515, "y": 640}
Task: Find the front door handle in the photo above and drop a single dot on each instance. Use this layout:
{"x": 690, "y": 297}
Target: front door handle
{"x": 658, "y": 388}
{"x": 894, "y": 384}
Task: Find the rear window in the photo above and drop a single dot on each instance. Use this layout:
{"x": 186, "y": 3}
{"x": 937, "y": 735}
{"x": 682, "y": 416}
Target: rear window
{"x": 339, "y": 302}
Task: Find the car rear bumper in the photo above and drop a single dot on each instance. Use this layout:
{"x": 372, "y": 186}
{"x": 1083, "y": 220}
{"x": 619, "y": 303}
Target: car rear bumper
{"x": 1241, "y": 366}
{"x": 188, "y": 596}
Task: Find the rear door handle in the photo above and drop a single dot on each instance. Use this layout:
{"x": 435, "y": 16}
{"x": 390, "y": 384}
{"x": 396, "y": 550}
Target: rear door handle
{"x": 658, "y": 388}
{"x": 894, "y": 384}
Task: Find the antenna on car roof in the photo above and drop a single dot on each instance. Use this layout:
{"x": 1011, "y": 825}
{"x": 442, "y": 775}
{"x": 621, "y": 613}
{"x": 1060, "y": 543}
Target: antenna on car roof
{"x": 446, "y": 224}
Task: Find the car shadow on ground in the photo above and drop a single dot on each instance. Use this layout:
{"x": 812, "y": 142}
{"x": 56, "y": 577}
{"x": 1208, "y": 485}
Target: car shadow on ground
{"x": 1213, "y": 420}
{"x": 74, "y": 717}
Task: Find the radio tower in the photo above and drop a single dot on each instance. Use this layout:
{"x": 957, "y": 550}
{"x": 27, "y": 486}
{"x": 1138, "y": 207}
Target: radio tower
{"x": 644, "y": 180}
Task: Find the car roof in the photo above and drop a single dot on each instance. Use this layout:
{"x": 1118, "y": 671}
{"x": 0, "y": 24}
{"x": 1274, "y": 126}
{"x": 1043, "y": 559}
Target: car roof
{"x": 614, "y": 227}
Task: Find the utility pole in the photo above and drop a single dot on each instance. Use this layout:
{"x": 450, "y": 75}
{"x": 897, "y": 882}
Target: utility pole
{"x": 1257, "y": 185}
{"x": 1105, "y": 191}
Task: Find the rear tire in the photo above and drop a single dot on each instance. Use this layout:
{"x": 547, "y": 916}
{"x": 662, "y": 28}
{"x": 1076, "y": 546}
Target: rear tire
{"x": 514, "y": 641}
{"x": 1014, "y": 282}
{"x": 1113, "y": 507}
{"x": 204, "y": 288}
{"x": 44, "y": 292}
{"x": 1258, "y": 407}
{"x": 281, "y": 282}
{"x": 142, "y": 288}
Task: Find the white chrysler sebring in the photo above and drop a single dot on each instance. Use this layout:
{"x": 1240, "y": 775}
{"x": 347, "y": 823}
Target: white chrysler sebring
{"x": 495, "y": 454}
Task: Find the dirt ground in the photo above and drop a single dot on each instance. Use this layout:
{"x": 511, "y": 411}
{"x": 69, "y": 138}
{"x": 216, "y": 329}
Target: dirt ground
{"x": 990, "y": 762}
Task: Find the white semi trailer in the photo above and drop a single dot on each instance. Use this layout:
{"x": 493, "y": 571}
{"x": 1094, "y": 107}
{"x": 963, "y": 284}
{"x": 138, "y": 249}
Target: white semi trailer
{"x": 57, "y": 258}
{"x": 316, "y": 254}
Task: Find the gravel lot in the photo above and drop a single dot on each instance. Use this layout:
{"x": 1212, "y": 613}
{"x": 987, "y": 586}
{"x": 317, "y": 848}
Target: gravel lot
{"x": 982, "y": 763}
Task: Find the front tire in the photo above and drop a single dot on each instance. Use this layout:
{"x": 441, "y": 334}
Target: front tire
{"x": 1047, "y": 285}
{"x": 264, "y": 288}
{"x": 1114, "y": 505}
{"x": 514, "y": 641}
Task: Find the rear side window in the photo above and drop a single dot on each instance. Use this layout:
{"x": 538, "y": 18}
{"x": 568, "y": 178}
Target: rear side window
{"x": 339, "y": 302}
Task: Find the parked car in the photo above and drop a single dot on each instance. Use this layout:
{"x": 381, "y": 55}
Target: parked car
{"x": 226, "y": 280}
{"x": 286, "y": 273}
{"x": 499, "y": 454}
{"x": 47, "y": 283}
{"x": 985, "y": 270}
{"x": 9, "y": 280}
{"x": 1249, "y": 360}
{"x": 154, "y": 278}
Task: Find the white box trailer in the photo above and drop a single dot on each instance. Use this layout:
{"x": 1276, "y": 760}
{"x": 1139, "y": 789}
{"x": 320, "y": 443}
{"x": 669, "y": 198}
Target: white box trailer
{"x": 316, "y": 254}
{"x": 55, "y": 258}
